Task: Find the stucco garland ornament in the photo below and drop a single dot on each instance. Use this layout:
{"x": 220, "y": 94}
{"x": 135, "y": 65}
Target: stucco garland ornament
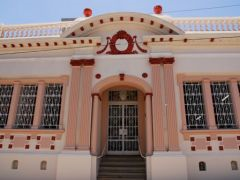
{"x": 122, "y": 35}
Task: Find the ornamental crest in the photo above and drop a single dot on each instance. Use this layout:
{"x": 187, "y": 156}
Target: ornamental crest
{"x": 113, "y": 45}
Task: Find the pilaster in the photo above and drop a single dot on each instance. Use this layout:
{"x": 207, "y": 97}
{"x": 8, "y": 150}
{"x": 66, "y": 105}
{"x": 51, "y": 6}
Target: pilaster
{"x": 211, "y": 123}
{"x": 157, "y": 108}
{"x": 38, "y": 106}
{"x": 73, "y": 107}
{"x": 236, "y": 100}
{"x": 83, "y": 133}
{"x": 171, "y": 106}
{"x": 14, "y": 104}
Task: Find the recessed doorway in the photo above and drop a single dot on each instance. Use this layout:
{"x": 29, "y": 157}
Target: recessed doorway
{"x": 123, "y": 122}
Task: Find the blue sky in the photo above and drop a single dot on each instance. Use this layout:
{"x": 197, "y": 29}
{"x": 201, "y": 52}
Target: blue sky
{"x": 34, "y": 11}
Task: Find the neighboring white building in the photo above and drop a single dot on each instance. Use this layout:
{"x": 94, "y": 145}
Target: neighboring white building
{"x": 121, "y": 83}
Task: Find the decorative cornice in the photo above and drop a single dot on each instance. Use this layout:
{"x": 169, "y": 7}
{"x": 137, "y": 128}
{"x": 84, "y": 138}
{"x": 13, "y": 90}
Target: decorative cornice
{"x": 82, "y": 62}
{"x": 162, "y": 60}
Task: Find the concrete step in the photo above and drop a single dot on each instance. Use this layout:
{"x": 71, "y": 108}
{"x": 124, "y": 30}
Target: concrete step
{"x": 122, "y": 158}
{"x": 122, "y": 169}
{"x": 122, "y": 174}
{"x": 124, "y": 178}
{"x": 123, "y": 164}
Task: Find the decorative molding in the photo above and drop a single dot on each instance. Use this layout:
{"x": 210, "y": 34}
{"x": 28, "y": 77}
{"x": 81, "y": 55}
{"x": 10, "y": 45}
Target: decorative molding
{"x": 162, "y": 60}
{"x": 144, "y": 75}
{"x": 121, "y": 75}
{"x": 212, "y": 40}
{"x": 213, "y": 142}
{"x": 82, "y": 62}
{"x": 98, "y": 76}
{"x": 213, "y": 132}
{"x": 34, "y": 80}
{"x": 31, "y": 131}
{"x": 111, "y": 42}
{"x": 138, "y": 46}
{"x": 212, "y": 77}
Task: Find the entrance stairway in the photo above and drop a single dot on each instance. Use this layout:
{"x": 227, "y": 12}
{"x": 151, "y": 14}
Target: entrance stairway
{"x": 122, "y": 168}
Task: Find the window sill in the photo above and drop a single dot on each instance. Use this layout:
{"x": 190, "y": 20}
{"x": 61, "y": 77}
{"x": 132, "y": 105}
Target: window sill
{"x": 32, "y": 131}
{"x": 188, "y": 133}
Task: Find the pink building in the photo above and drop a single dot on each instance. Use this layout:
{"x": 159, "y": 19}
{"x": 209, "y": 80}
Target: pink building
{"x": 121, "y": 96}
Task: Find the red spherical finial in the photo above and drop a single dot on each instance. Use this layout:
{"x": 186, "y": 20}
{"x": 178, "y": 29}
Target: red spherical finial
{"x": 157, "y": 9}
{"x": 87, "y": 12}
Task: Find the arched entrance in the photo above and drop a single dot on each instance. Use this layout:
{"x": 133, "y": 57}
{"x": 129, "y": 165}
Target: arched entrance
{"x": 125, "y": 112}
{"x": 121, "y": 118}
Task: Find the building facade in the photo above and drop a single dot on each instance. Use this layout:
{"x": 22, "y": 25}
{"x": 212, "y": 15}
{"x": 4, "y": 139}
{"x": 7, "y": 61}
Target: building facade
{"x": 165, "y": 88}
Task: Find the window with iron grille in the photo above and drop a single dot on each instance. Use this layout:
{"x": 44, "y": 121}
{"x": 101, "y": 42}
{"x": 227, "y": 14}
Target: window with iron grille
{"x": 194, "y": 105}
{"x": 51, "y": 106}
{"x": 222, "y": 103}
{"x": 26, "y": 106}
{"x": 5, "y": 102}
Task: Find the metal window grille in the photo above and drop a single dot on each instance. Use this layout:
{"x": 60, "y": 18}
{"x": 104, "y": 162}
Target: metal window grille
{"x": 194, "y": 105}
{"x": 5, "y": 101}
{"x": 52, "y": 106}
{"x": 26, "y": 106}
{"x": 222, "y": 103}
